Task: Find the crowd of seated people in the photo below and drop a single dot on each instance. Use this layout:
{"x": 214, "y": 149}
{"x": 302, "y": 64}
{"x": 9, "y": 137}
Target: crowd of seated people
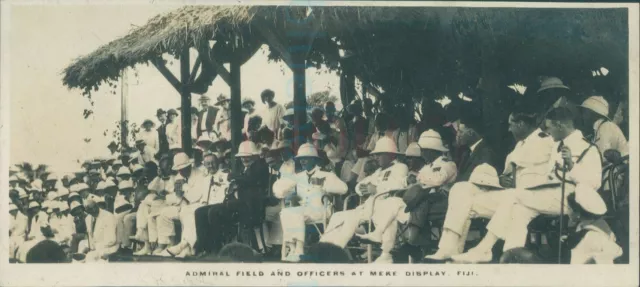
{"x": 368, "y": 176}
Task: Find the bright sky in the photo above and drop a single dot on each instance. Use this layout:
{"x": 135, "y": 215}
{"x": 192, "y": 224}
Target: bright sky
{"x": 47, "y": 125}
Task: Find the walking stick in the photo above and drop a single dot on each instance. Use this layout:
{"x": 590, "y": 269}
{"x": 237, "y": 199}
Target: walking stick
{"x": 564, "y": 174}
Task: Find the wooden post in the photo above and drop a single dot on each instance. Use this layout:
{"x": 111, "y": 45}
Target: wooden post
{"x": 185, "y": 106}
{"x": 299, "y": 98}
{"x": 236, "y": 112}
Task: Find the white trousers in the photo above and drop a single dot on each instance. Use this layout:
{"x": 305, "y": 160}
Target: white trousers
{"x": 597, "y": 246}
{"x": 468, "y": 201}
{"x": 186, "y": 215}
{"x": 343, "y": 225}
{"x": 295, "y": 219}
{"x": 273, "y": 225}
{"x": 514, "y": 214}
{"x": 165, "y": 223}
{"x": 122, "y": 234}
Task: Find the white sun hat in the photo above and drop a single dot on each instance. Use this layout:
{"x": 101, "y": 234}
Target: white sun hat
{"x": 181, "y": 160}
{"x": 74, "y": 205}
{"x": 101, "y": 185}
{"x": 74, "y": 195}
{"x": 385, "y": 145}
{"x": 136, "y": 168}
{"x": 62, "y": 192}
{"x": 598, "y": 105}
{"x": 82, "y": 187}
{"x": 12, "y": 207}
{"x": 247, "y": 148}
{"x": 124, "y": 171}
{"x": 52, "y": 195}
{"x": 413, "y": 150}
{"x": 589, "y": 199}
{"x": 34, "y": 204}
{"x": 21, "y": 193}
{"x": 307, "y": 150}
{"x": 63, "y": 206}
{"x": 117, "y": 162}
{"x": 125, "y": 185}
{"x": 431, "y": 140}
{"x": 14, "y": 178}
{"x": 485, "y": 175}
{"x": 552, "y": 83}
{"x": 52, "y": 177}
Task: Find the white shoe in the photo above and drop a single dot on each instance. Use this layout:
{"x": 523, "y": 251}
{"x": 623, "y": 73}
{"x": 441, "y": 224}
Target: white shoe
{"x": 187, "y": 251}
{"x": 144, "y": 251}
{"x": 177, "y": 249}
{"x": 159, "y": 251}
{"x": 384, "y": 258}
{"x": 293, "y": 258}
{"x": 473, "y": 256}
{"x": 439, "y": 256}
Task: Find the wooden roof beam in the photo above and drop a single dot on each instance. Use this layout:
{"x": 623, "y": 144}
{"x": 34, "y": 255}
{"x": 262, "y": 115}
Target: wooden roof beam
{"x": 274, "y": 42}
{"x": 162, "y": 67}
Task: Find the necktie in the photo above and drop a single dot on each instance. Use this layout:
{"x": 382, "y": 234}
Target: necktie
{"x": 93, "y": 225}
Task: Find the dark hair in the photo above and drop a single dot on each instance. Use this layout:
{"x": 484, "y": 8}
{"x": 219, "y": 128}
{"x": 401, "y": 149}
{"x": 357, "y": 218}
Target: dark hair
{"x": 520, "y": 255}
{"x": 329, "y": 104}
{"x": 317, "y": 113}
{"x": 561, "y": 114}
{"x": 325, "y": 253}
{"x": 526, "y": 118}
{"x": 267, "y": 93}
{"x": 238, "y": 252}
{"x": 382, "y": 121}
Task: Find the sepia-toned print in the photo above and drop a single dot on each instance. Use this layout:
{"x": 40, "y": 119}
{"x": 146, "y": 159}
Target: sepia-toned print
{"x": 404, "y": 139}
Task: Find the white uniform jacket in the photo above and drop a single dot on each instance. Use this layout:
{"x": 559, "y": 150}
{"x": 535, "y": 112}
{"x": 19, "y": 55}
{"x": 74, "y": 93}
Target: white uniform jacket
{"x": 102, "y": 236}
{"x": 310, "y": 186}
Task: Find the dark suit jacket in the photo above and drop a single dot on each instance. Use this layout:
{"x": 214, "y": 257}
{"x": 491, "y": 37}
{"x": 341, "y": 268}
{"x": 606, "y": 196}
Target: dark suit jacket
{"x": 162, "y": 139}
{"x": 481, "y": 154}
{"x": 209, "y": 121}
{"x": 253, "y": 188}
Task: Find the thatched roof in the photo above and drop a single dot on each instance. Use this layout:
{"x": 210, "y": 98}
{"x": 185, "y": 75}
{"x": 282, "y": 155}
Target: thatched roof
{"x": 397, "y": 46}
{"x": 190, "y": 25}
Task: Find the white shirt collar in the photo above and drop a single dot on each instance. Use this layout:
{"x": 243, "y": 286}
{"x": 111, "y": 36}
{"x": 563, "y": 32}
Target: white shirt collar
{"x": 313, "y": 171}
{"x": 473, "y": 146}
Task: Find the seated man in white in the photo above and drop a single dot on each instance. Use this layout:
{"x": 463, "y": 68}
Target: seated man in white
{"x": 191, "y": 185}
{"x": 438, "y": 171}
{"x": 391, "y": 175}
{"x": 530, "y": 158}
{"x": 101, "y": 227}
{"x": 309, "y": 186}
{"x": 571, "y": 154}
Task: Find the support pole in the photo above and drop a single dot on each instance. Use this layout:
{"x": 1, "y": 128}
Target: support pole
{"x": 185, "y": 106}
{"x": 236, "y": 112}
{"x": 124, "y": 118}
{"x": 299, "y": 99}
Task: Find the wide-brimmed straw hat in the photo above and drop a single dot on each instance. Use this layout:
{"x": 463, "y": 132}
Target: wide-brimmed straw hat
{"x": 385, "y": 145}
{"x": 181, "y": 161}
{"x": 247, "y": 148}
{"x": 221, "y": 99}
{"x": 307, "y": 150}
{"x": 552, "y": 83}
{"x": 598, "y": 105}
{"x": 485, "y": 175}
{"x": 12, "y": 207}
{"x": 431, "y": 140}
{"x": 62, "y": 192}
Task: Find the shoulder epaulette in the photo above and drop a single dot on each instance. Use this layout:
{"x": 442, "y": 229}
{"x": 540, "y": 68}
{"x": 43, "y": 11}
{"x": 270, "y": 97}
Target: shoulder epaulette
{"x": 543, "y": 134}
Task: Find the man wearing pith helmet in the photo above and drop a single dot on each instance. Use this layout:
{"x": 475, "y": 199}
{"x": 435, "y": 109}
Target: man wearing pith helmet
{"x": 606, "y": 134}
{"x": 247, "y": 196}
{"x": 191, "y": 191}
{"x": 390, "y": 176}
{"x": 308, "y": 186}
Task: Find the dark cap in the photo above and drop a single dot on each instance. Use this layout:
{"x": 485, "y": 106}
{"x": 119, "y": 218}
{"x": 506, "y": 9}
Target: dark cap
{"x": 160, "y": 112}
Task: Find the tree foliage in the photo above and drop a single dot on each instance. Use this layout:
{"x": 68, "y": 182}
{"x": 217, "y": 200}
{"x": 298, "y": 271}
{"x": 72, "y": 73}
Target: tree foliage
{"x": 317, "y": 100}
